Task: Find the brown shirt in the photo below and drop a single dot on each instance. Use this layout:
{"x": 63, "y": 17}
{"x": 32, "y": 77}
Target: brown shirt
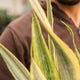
{"x": 17, "y": 37}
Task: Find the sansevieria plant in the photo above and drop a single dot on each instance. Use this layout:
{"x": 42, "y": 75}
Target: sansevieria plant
{"x": 58, "y": 62}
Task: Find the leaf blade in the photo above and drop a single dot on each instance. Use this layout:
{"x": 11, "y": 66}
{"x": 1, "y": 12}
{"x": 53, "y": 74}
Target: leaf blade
{"x": 50, "y": 19}
{"x": 14, "y": 65}
{"x": 36, "y": 73}
{"x": 75, "y": 48}
{"x": 41, "y": 53}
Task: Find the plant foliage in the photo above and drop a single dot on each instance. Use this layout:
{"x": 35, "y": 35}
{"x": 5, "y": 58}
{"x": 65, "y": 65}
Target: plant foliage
{"x": 64, "y": 66}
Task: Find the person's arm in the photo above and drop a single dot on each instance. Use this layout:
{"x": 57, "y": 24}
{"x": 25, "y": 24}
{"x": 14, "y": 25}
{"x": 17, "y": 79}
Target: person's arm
{"x": 12, "y": 42}
{"x": 8, "y": 41}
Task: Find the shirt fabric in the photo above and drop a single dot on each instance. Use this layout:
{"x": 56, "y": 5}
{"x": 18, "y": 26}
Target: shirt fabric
{"x": 17, "y": 37}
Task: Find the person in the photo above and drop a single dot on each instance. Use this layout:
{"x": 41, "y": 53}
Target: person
{"x": 17, "y": 35}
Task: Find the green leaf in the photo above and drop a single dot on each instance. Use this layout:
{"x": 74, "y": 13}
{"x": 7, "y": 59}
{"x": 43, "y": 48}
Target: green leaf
{"x": 50, "y": 19}
{"x": 49, "y": 13}
{"x": 41, "y": 52}
{"x": 14, "y": 65}
{"x": 68, "y": 65}
{"x": 36, "y": 73}
{"x": 71, "y": 69}
{"x": 75, "y": 48}
{"x": 40, "y": 12}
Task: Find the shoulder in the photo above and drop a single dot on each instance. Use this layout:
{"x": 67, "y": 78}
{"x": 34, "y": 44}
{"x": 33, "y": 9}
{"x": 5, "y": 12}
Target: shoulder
{"x": 21, "y": 20}
{"x": 18, "y": 29}
{"x": 22, "y": 23}
{"x": 21, "y": 26}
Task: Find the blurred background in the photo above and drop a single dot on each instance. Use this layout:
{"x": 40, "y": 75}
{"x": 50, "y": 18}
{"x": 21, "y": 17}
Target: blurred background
{"x": 11, "y": 9}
